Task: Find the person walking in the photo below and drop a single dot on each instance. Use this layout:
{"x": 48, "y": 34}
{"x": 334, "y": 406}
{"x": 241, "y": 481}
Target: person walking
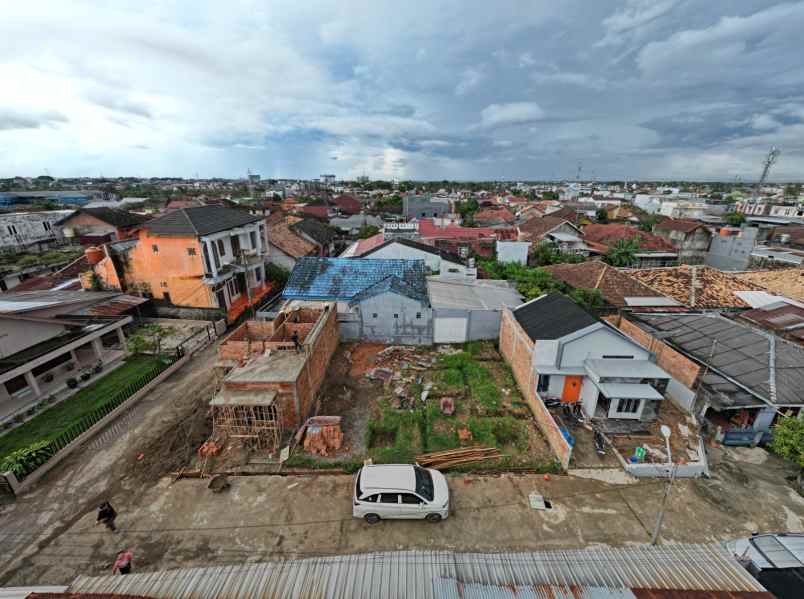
{"x": 295, "y": 338}
{"x": 106, "y": 516}
{"x": 124, "y": 561}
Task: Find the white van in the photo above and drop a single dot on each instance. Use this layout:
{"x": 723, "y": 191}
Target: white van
{"x": 400, "y": 491}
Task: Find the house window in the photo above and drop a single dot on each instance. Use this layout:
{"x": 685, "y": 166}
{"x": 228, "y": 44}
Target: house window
{"x": 252, "y": 236}
{"x": 543, "y": 384}
{"x": 46, "y": 225}
{"x": 191, "y": 251}
{"x": 155, "y": 249}
{"x": 258, "y": 274}
{"x": 163, "y": 284}
{"x": 396, "y": 315}
{"x": 418, "y": 315}
{"x": 618, "y": 357}
{"x": 11, "y": 229}
{"x": 453, "y": 270}
{"x": 221, "y": 247}
{"x": 628, "y": 406}
{"x": 231, "y": 285}
{"x": 374, "y": 315}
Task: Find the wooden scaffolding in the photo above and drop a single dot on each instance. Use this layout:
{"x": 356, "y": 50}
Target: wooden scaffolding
{"x": 249, "y": 415}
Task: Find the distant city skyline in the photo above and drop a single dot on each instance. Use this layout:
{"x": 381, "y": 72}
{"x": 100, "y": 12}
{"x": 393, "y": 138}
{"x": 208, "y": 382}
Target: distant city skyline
{"x": 631, "y": 89}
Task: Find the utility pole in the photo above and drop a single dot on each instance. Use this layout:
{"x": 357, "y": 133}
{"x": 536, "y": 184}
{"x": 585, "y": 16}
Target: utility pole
{"x": 660, "y": 518}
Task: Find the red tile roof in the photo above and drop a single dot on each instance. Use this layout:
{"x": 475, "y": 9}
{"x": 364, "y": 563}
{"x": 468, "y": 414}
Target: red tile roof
{"x": 494, "y": 215}
{"x": 429, "y": 230}
{"x": 678, "y": 224}
{"x": 282, "y": 236}
{"x": 609, "y": 235}
{"x": 533, "y": 229}
{"x": 713, "y": 288}
{"x": 317, "y": 211}
{"x": 364, "y": 245}
{"x": 348, "y": 204}
{"x": 613, "y": 284}
{"x": 54, "y": 279}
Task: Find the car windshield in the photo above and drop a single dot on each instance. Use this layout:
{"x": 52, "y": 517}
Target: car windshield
{"x": 424, "y": 483}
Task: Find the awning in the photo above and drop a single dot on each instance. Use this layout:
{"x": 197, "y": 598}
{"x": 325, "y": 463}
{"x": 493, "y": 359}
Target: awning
{"x": 629, "y": 391}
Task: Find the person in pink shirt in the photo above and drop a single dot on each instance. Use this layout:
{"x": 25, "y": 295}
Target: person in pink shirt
{"x": 124, "y": 561}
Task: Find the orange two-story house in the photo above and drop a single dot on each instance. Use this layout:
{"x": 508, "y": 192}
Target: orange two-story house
{"x": 202, "y": 257}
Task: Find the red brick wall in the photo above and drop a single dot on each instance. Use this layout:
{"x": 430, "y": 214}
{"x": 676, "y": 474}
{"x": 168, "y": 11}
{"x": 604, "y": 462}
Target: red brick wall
{"x": 323, "y": 344}
{"x": 677, "y": 365}
{"x": 517, "y": 349}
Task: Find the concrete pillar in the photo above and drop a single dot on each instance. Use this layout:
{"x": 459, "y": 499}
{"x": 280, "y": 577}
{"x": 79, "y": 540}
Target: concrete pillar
{"x": 33, "y": 384}
{"x": 97, "y": 345}
{"x": 121, "y": 337}
{"x": 4, "y": 394}
{"x": 211, "y": 253}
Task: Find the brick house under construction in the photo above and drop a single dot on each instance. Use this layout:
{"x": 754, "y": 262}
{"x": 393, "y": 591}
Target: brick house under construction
{"x": 270, "y": 384}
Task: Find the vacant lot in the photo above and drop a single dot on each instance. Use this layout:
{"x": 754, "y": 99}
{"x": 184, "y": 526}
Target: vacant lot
{"x": 399, "y": 401}
{"x": 56, "y": 420}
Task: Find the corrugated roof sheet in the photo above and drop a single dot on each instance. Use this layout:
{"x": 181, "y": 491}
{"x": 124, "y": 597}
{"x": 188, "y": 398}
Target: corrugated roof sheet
{"x": 431, "y": 575}
{"x": 471, "y": 295}
{"x": 344, "y": 278}
{"x": 736, "y": 351}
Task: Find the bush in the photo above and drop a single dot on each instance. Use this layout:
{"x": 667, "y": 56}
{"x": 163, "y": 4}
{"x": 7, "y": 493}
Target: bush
{"x": 24, "y": 461}
{"x": 450, "y": 380}
{"x": 510, "y": 431}
{"x": 72, "y": 382}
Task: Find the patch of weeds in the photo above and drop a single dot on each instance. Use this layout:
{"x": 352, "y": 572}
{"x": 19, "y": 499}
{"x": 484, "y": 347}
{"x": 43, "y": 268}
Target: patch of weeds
{"x": 510, "y": 431}
{"x": 482, "y": 430}
{"x": 459, "y": 360}
{"x": 406, "y": 428}
{"x": 450, "y": 380}
{"x": 473, "y": 348}
{"x": 302, "y": 460}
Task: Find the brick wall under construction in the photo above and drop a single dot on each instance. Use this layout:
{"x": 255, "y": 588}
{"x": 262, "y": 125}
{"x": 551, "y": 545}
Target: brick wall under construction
{"x": 517, "y": 349}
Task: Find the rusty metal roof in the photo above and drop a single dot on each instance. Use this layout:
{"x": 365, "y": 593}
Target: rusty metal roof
{"x": 600, "y": 572}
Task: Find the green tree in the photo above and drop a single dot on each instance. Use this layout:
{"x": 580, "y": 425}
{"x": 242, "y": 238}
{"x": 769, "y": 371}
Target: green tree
{"x": 735, "y": 219}
{"x": 622, "y": 254}
{"x": 367, "y": 231}
{"x": 788, "y": 442}
{"x": 589, "y": 299}
{"x": 602, "y": 215}
{"x": 648, "y": 222}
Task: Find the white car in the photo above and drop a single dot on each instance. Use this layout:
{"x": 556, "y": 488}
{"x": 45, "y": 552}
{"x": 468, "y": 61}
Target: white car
{"x": 400, "y": 491}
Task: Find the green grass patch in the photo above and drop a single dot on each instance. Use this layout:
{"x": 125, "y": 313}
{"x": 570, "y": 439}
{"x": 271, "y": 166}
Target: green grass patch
{"x": 54, "y": 421}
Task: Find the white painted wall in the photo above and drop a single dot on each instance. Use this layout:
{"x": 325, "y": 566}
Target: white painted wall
{"x": 513, "y": 251}
{"x": 589, "y": 395}
{"x": 556, "y": 386}
{"x": 544, "y": 352}
{"x": 17, "y": 335}
{"x": 434, "y": 262}
{"x": 449, "y": 330}
{"x": 597, "y": 344}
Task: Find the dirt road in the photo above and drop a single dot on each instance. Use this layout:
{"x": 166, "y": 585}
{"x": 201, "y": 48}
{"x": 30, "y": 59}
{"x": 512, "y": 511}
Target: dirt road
{"x": 49, "y": 535}
{"x": 163, "y": 426}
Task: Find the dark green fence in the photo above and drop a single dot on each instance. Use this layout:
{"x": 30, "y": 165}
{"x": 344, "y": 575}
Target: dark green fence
{"x": 104, "y": 410}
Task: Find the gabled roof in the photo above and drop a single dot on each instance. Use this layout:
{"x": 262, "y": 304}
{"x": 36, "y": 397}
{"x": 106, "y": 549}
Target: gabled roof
{"x": 494, "y": 215}
{"x": 678, "y": 224}
{"x": 65, "y": 276}
{"x": 316, "y": 230}
{"x": 202, "y": 220}
{"x": 788, "y": 282}
{"x": 344, "y": 278}
{"x": 366, "y": 245}
{"x": 429, "y": 230}
{"x": 121, "y": 219}
{"x": 282, "y": 236}
{"x": 321, "y": 212}
{"x": 393, "y": 284}
{"x": 552, "y": 316}
{"x": 614, "y": 285}
{"x": 347, "y": 203}
{"x": 422, "y": 247}
{"x": 538, "y": 226}
{"x": 609, "y": 235}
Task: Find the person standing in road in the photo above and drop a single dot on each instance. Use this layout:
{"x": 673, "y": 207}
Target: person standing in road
{"x": 107, "y": 515}
{"x": 124, "y": 561}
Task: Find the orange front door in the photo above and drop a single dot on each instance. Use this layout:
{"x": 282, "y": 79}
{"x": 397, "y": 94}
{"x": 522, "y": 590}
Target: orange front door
{"x": 572, "y": 389}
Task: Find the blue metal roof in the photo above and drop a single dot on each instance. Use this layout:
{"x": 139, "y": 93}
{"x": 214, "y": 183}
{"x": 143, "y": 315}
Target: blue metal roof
{"x": 344, "y": 278}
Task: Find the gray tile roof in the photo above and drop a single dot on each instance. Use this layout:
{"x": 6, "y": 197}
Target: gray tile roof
{"x": 769, "y": 367}
{"x": 198, "y": 221}
{"x": 552, "y": 317}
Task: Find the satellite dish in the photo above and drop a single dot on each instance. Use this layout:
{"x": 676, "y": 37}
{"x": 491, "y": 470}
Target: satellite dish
{"x": 666, "y": 432}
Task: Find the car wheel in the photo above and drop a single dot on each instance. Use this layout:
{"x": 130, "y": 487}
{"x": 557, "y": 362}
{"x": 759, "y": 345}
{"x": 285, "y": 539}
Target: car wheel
{"x": 433, "y": 517}
{"x": 371, "y": 518}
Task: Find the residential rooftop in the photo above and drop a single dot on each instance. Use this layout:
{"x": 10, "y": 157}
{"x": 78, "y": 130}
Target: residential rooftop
{"x": 552, "y": 316}
{"x": 696, "y": 286}
{"x": 198, "y": 221}
{"x": 788, "y": 282}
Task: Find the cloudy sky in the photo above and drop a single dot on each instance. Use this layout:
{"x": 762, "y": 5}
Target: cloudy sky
{"x": 425, "y": 89}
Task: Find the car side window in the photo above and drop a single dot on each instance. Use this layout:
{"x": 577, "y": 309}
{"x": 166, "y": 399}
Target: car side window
{"x": 371, "y": 498}
{"x": 389, "y": 498}
{"x": 410, "y": 498}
